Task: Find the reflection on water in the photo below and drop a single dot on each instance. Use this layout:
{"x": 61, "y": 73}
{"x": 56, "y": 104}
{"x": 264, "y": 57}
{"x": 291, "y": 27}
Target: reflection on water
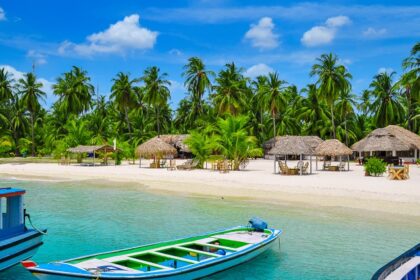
{"x": 321, "y": 243}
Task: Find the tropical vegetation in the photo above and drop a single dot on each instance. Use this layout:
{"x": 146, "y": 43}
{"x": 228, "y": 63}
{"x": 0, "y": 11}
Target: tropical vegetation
{"x": 225, "y": 112}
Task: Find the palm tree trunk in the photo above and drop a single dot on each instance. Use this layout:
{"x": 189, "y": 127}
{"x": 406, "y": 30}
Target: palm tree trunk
{"x": 332, "y": 120}
{"x": 274, "y": 124}
{"x": 33, "y": 134}
{"x": 347, "y": 134}
{"x": 127, "y": 120}
{"x": 157, "y": 120}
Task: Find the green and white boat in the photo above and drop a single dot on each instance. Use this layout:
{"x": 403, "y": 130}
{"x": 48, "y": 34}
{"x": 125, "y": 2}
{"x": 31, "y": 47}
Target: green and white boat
{"x": 187, "y": 258}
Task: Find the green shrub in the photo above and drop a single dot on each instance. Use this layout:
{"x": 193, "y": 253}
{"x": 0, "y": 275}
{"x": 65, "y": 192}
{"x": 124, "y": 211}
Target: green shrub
{"x": 375, "y": 166}
{"x": 418, "y": 161}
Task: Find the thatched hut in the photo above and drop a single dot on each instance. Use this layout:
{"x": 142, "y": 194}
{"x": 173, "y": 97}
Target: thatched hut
{"x": 85, "y": 149}
{"x": 177, "y": 141}
{"x": 155, "y": 148}
{"x": 392, "y": 140}
{"x": 292, "y": 145}
{"x": 311, "y": 141}
{"x": 334, "y": 148}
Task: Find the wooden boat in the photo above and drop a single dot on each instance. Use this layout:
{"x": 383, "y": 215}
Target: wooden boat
{"x": 187, "y": 258}
{"x": 17, "y": 242}
{"x": 404, "y": 267}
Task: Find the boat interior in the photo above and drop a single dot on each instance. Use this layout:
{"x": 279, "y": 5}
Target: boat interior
{"x": 173, "y": 256}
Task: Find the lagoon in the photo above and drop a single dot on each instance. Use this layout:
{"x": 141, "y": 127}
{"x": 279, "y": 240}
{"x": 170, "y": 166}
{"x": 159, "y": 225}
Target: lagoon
{"x": 318, "y": 243}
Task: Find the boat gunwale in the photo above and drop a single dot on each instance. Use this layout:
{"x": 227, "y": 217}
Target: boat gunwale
{"x": 275, "y": 233}
{"x": 387, "y": 269}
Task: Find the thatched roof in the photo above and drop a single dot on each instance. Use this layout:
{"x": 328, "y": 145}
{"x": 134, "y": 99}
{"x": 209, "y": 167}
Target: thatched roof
{"x": 405, "y": 135}
{"x": 176, "y": 140}
{"x": 332, "y": 147}
{"x": 312, "y": 141}
{"x": 382, "y": 139}
{"x": 291, "y": 145}
{"x": 155, "y": 147}
{"x": 90, "y": 149}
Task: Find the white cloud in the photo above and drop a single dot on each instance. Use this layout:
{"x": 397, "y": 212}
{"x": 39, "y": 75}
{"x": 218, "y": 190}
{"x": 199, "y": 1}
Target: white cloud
{"x": 37, "y": 57}
{"x": 119, "y": 37}
{"x": 387, "y": 70}
{"x": 2, "y": 14}
{"x": 258, "y": 70}
{"x": 261, "y": 35}
{"x": 324, "y": 34}
{"x": 46, "y": 84}
{"x": 374, "y": 33}
{"x": 337, "y": 21}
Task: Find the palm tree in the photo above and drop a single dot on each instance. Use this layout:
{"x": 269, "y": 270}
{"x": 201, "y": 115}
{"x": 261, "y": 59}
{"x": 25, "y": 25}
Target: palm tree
{"x": 75, "y": 91}
{"x": 201, "y": 146}
{"x": 156, "y": 91}
{"x": 124, "y": 96}
{"x": 232, "y": 140}
{"x": 31, "y": 92}
{"x": 197, "y": 81}
{"x": 388, "y": 109}
{"x": 410, "y": 81}
{"x": 345, "y": 106}
{"x": 6, "y": 91}
{"x": 231, "y": 90}
{"x": 313, "y": 112}
{"x": 274, "y": 97}
{"x": 332, "y": 79}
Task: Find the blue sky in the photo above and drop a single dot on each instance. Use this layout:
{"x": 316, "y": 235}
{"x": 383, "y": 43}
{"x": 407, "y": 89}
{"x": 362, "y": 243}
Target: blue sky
{"x": 105, "y": 37}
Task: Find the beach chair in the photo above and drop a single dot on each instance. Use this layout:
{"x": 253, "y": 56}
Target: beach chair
{"x": 406, "y": 171}
{"x": 163, "y": 163}
{"x": 185, "y": 165}
{"x": 224, "y": 166}
{"x": 342, "y": 166}
{"x": 305, "y": 168}
{"x": 299, "y": 164}
{"x": 172, "y": 165}
{"x": 327, "y": 165}
{"x": 283, "y": 168}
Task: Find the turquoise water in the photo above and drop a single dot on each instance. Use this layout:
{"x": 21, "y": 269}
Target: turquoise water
{"x": 321, "y": 243}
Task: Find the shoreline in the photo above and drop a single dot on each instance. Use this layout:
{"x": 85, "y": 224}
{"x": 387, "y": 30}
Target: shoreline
{"x": 349, "y": 190}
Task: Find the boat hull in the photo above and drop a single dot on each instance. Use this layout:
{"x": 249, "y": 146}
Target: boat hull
{"x": 186, "y": 274}
{"x": 19, "y": 248}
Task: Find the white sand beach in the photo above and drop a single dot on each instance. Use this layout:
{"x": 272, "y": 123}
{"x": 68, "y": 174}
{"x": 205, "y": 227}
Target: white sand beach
{"x": 349, "y": 189}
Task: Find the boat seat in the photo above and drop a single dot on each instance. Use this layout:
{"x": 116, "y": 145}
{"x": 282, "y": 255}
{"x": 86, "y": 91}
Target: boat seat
{"x": 197, "y": 251}
{"x": 150, "y": 263}
{"x": 216, "y": 246}
{"x": 174, "y": 257}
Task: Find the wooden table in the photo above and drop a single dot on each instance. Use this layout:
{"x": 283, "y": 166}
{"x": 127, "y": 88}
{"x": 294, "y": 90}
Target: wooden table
{"x": 293, "y": 171}
{"x": 332, "y": 168}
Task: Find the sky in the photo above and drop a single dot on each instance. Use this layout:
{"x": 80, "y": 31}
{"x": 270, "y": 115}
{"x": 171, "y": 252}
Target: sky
{"x": 106, "y": 37}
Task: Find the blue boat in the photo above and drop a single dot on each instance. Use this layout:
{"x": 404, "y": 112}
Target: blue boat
{"x": 404, "y": 267}
{"x": 188, "y": 258}
{"x": 17, "y": 242}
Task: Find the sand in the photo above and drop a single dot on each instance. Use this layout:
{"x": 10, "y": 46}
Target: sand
{"x": 350, "y": 189}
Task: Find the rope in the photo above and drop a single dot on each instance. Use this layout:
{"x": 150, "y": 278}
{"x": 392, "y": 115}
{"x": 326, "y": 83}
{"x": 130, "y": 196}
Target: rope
{"x": 34, "y": 227}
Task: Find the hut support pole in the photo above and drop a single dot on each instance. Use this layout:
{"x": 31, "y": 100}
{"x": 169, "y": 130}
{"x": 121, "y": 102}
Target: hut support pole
{"x": 275, "y": 160}
{"x": 310, "y": 164}
{"x": 340, "y": 160}
{"x": 140, "y": 161}
{"x": 416, "y": 154}
{"x": 93, "y": 158}
{"x": 348, "y": 162}
{"x": 316, "y": 163}
{"x": 301, "y": 167}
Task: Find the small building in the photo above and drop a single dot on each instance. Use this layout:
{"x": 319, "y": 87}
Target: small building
{"x": 311, "y": 141}
{"x": 390, "y": 141}
{"x": 177, "y": 141}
